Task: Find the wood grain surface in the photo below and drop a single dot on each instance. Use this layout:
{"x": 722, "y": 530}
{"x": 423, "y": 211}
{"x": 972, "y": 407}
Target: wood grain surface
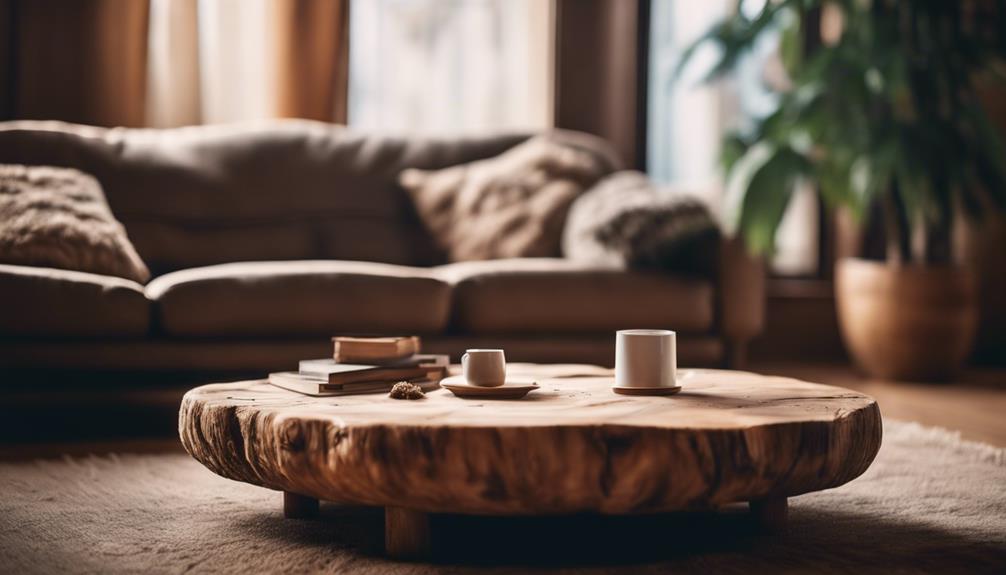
{"x": 572, "y": 446}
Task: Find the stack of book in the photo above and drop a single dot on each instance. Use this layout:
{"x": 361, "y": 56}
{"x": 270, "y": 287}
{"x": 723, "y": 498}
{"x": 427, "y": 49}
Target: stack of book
{"x": 365, "y": 365}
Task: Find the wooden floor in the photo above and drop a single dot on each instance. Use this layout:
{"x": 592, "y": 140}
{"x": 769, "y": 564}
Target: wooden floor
{"x": 975, "y": 405}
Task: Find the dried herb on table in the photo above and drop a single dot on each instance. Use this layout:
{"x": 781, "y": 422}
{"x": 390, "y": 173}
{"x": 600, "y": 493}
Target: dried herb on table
{"x": 406, "y": 390}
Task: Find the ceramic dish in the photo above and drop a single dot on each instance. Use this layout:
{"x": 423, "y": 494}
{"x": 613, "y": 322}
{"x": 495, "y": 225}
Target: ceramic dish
{"x": 513, "y": 388}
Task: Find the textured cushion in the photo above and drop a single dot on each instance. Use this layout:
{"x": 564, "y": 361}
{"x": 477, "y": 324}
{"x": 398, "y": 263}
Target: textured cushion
{"x": 513, "y": 205}
{"x": 555, "y": 296}
{"x": 299, "y": 298}
{"x": 58, "y": 217}
{"x": 628, "y": 221}
{"x": 56, "y": 303}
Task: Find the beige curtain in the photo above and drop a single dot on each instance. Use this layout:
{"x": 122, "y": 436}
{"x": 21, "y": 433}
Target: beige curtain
{"x": 173, "y": 97}
{"x": 217, "y": 61}
{"x": 81, "y": 61}
{"x": 173, "y": 62}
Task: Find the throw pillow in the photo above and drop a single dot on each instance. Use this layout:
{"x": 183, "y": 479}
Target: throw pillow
{"x": 58, "y": 217}
{"x": 513, "y": 205}
{"x": 626, "y": 220}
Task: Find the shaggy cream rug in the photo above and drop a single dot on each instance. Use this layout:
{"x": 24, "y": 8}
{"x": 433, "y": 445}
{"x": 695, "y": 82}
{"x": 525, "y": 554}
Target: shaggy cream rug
{"x": 930, "y": 503}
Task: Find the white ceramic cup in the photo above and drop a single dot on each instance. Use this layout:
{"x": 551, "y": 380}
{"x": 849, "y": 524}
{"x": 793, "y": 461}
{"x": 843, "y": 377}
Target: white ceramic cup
{"x": 645, "y": 358}
{"x": 484, "y": 367}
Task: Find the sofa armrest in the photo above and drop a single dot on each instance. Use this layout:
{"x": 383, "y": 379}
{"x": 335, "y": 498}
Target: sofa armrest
{"x": 740, "y": 298}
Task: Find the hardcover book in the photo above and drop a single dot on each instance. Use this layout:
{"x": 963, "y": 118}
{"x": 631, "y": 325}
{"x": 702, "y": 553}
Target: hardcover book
{"x": 320, "y": 387}
{"x": 368, "y": 349}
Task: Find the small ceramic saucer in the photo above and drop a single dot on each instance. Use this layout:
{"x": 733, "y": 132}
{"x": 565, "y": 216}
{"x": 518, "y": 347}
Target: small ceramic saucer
{"x": 511, "y": 389}
{"x": 662, "y": 390}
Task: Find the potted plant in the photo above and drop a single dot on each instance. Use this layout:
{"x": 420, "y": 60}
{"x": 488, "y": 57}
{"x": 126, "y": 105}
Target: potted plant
{"x": 881, "y": 116}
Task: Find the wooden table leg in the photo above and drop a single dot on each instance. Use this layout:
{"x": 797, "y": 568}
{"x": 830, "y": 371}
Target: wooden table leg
{"x": 297, "y": 506}
{"x": 406, "y": 533}
{"x": 770, "y": 514}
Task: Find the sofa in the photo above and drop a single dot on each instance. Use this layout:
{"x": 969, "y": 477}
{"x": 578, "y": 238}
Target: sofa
{"x": 265, "y": 239}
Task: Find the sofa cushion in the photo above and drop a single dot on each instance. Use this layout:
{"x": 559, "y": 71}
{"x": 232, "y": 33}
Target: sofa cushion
{"x": 58, "y": 217}
{"x": 298, "y": 298}
{"x": 628, "y": 220}
{"x": 512, "y": 205}
{"x": 554, "y": 296}
{"x": 52, "y": 303}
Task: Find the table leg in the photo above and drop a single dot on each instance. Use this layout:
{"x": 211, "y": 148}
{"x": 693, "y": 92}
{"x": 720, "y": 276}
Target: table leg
{"x": 297, "y": 506}
{"x": 406, "y": 533}
{"x": 770, "y": 514}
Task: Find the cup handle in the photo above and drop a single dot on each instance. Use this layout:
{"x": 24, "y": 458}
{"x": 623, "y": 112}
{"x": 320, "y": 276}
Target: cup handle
{"x": 464, "y": 363}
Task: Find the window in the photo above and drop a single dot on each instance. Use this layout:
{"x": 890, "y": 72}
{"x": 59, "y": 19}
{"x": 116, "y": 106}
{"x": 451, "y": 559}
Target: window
{"x": 687, "y": 119}
{"x": 447, "y": 66}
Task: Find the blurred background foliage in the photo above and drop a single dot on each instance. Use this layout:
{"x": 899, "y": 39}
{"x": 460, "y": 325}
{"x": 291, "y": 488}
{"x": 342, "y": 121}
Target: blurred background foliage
{"x": 881, "y": 109}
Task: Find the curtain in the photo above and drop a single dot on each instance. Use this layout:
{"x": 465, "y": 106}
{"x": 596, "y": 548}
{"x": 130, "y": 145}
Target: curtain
{"x": 173, "y": 97}
{"x": 600, "y": 72}
{"x": 217, "y": 61}
{"x": 82, "y": 61}
{"x": 173, "y": 62}
{"x": 312, "y": 53}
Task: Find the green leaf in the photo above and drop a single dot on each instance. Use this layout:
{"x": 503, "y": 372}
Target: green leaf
{"x": 767, "y": 195}
{"x": 734, "y": 148}
{"x": 736, "y": 35}
{"x": 791, "y": 47}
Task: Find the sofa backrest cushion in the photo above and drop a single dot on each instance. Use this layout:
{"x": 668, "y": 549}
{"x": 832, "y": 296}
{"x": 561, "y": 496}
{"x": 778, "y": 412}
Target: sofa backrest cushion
{"x": 285, "y": 189}
{"x": 512, "y": 205}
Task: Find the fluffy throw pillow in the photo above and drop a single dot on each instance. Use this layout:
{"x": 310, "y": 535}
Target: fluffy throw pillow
{"x": 58, "y": 217}
{"x": 513, "y": 205}
{"x": 626, "y": 220}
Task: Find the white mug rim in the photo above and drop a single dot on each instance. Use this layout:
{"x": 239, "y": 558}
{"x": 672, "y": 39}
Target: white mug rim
{"x": 483, "y": 350}
{"x": 646, "y": 332}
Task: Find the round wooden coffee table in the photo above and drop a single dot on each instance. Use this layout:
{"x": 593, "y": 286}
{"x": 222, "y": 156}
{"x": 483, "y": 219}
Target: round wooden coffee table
{"x": 572, "y": 446}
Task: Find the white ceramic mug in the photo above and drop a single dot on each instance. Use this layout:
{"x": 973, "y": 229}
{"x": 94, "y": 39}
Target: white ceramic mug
{"x": 484, "y": 367}
{"x": 645, "y": 358}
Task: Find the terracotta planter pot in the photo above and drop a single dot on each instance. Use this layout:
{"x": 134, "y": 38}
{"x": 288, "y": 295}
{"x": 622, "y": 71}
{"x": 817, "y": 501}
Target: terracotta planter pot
{"x": 906, "y": 322}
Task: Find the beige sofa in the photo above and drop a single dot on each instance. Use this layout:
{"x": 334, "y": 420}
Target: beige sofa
{"x": 266, "y": 239}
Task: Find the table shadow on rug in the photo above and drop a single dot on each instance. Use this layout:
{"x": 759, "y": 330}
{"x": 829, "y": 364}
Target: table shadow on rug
{"x": 820, "y": 539}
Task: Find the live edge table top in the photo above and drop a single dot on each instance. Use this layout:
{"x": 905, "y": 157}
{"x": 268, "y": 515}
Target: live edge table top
{"x": 571, "y": 446}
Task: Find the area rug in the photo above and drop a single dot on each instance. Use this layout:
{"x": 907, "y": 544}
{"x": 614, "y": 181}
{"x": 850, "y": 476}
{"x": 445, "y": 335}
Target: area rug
{"x": 930, "y": 503}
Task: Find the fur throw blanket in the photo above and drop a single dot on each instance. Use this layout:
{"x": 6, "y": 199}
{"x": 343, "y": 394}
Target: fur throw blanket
{"x": 627, "y": 221}
{"x": 513, "y": 205}
{"x": 58, "y": 217}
